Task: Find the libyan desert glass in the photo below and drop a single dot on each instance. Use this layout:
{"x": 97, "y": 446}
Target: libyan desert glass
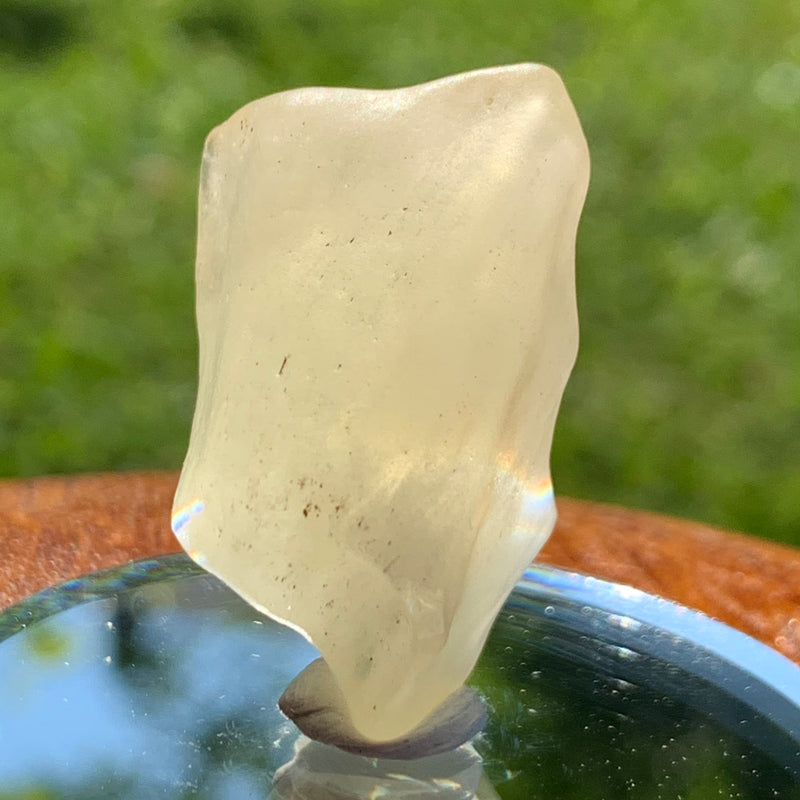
{"x": 155, "y": 680}
{"x": 386, "y": 316}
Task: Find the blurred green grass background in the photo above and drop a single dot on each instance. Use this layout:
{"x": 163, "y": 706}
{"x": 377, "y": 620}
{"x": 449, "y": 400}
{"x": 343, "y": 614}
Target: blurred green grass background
{"x": 686, "y": 395}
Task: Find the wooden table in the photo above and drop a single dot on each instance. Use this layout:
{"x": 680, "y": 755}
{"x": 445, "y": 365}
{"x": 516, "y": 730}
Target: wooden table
{"x": 52, "y": 529}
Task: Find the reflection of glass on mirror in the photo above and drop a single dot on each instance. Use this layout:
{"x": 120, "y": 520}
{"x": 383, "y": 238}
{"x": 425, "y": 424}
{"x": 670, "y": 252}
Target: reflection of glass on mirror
{"x": 318, "y": 770}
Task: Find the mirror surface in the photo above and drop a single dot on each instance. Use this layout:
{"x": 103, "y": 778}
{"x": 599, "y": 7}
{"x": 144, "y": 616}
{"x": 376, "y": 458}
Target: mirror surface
{"x": 155, "y": 680}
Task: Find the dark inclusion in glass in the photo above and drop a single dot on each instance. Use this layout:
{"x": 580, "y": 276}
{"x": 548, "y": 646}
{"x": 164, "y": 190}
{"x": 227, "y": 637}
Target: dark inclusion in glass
{"x": 156, "y": 681}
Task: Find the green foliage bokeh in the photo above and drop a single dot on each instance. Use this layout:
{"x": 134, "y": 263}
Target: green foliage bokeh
{"x": 686, "y": 394}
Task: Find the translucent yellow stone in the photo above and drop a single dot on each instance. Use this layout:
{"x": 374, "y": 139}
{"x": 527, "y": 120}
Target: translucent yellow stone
{"x": 387, "y": 319}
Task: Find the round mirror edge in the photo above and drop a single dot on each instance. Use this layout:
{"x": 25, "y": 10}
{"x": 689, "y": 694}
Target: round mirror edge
{"x": 626, "y": 607}
{"x": 99, "y": 585}
{"x": 629, "y": 608}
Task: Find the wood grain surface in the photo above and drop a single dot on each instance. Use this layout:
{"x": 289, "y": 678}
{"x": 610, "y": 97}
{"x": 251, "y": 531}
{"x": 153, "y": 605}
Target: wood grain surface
{"x": 53, "y": 529}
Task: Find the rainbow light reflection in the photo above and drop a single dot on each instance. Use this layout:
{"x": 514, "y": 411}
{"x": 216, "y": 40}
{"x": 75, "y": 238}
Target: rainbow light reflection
{"x": 183, "y": 516}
